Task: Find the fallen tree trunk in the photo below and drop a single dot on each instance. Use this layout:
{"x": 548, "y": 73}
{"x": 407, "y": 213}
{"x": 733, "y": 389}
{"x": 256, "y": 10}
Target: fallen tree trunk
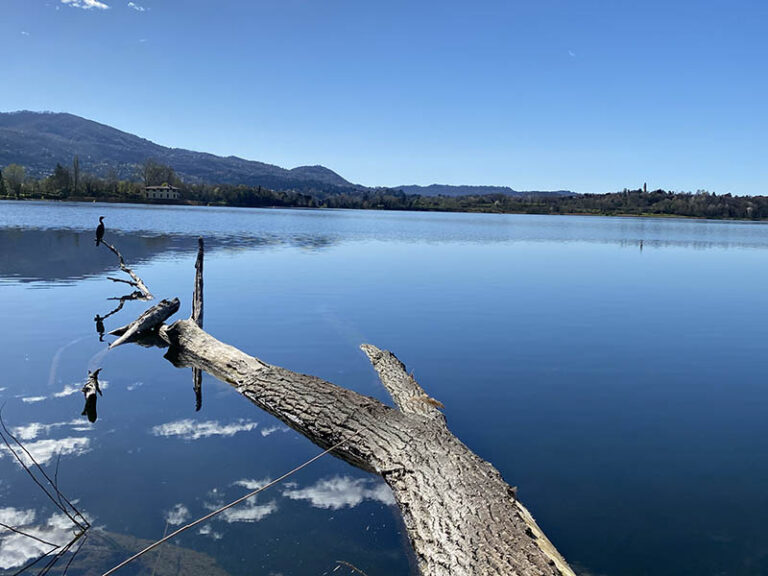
{"x": 462, "y": 518}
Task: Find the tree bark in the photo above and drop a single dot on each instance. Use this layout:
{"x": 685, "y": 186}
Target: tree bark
{"x": 462, "y": 517}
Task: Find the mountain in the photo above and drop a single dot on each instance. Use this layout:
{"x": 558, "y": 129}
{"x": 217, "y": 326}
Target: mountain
{"x": 38, "y": 140}
{"x": 446, "y": 190}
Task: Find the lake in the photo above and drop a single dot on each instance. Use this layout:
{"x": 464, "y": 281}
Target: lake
{"x": 614, "y": 369}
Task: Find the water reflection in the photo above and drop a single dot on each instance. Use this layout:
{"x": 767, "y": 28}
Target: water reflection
{"x": 65, "y": 256}
{"x": 650, "y": 363}
{"x": 90, "y": 391}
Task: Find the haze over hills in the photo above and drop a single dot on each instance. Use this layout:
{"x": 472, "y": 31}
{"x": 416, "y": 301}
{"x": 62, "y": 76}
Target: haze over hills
{"x": 448, "y": 190}
{"x": 40, "y": 140}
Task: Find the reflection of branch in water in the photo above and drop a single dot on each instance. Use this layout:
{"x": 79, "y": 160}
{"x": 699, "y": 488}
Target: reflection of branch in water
{"x": 51, "y": 490}
{"x": 123, "y": 299}
{"x": 197, "y": 316}
{"x": 197, "y": 384}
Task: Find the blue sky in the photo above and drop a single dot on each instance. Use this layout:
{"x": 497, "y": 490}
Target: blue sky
{"x": 591, "y": 96}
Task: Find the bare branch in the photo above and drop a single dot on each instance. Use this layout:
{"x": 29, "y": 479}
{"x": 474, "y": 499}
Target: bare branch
{"x": 405, "y": 391}
{"x": 137, "y": 282}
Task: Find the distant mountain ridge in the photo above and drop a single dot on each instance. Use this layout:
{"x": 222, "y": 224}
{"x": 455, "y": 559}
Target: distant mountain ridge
{"x": 449, "y": 190}
{"x": 38, "y": 140}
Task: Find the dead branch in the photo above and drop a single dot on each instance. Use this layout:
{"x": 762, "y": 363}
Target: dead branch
{"x": 148, "y": 321}
{"x": 137, "y": 282}
{"x": 197, "y": 297}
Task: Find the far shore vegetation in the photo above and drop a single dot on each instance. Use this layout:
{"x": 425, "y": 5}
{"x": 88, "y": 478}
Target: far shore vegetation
{"x": 68, "y": 183}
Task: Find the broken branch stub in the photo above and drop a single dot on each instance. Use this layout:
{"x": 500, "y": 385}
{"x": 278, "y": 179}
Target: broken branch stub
{"x": 149, "y": 320}
{"x": 197, "y": 297}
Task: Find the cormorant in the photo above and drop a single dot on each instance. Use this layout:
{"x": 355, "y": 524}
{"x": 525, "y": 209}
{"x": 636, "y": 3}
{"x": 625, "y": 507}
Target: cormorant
{"x": 100, "y": 230}
{"x": 90, "y": 390}
{"x": 100, "y": 326}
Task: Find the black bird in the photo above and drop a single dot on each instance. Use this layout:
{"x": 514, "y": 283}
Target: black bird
{"x": 90, "y": 390}
{"x": 100, "y": 326}
{"x": 100, "y": 230}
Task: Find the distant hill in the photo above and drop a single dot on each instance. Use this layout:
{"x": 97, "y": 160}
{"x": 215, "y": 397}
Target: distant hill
{"x": 38, "y": 140}
{"x": 446, "y": 190}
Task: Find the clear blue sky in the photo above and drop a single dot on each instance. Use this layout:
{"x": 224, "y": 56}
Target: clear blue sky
{"x": 543, "y": 94}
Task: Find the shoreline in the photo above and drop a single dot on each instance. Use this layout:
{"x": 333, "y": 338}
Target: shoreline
{"x": 90, "y": 200}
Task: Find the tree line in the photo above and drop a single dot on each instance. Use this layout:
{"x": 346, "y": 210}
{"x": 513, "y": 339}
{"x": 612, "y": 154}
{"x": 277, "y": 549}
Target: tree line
{"x": 69, "y": 183}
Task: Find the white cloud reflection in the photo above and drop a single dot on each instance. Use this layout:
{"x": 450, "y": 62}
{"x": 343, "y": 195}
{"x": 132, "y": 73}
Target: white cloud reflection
{"x": 191, "y": 430}
{"x": 342, "y": 491}
{"x": 69, "y": 390}
{"x": 18, "y": 549}
{"x": 206, "y": 530}
{"x": 16, "y": 517}
{"x": 272, "y": 429}
{"x": 252, "y": 484}
{"x": 249, "y": 511}
{"x": 177, "y": 515}
{"x": 43, "y": 451}
{"x": 34, "y": 429}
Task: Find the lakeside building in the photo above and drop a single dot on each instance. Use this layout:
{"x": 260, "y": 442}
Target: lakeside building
{"x": 164, "y": 192}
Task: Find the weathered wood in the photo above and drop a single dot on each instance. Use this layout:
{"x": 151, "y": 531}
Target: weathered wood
{"x": 137, "y": 282}
{"x": 462, "y": 517}
{"x": 197, "y": 297}
{"x": 149, "y": 320}
{"x": 402, "y": 386}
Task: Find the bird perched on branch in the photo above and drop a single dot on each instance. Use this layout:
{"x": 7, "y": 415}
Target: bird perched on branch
{"x": 100, "y": 230}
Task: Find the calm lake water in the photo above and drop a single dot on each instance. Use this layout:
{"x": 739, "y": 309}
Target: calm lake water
{"x": 622, "y": 389}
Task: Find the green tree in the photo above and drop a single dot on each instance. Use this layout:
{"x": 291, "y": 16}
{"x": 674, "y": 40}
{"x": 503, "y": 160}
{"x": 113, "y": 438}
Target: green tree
{"x": 154, "y": 173}
{"x": 3, "y": 190}
{"x": 75, "y": 173}
{"x": 14, "y": 175}
{"x": 60, "y": 181}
